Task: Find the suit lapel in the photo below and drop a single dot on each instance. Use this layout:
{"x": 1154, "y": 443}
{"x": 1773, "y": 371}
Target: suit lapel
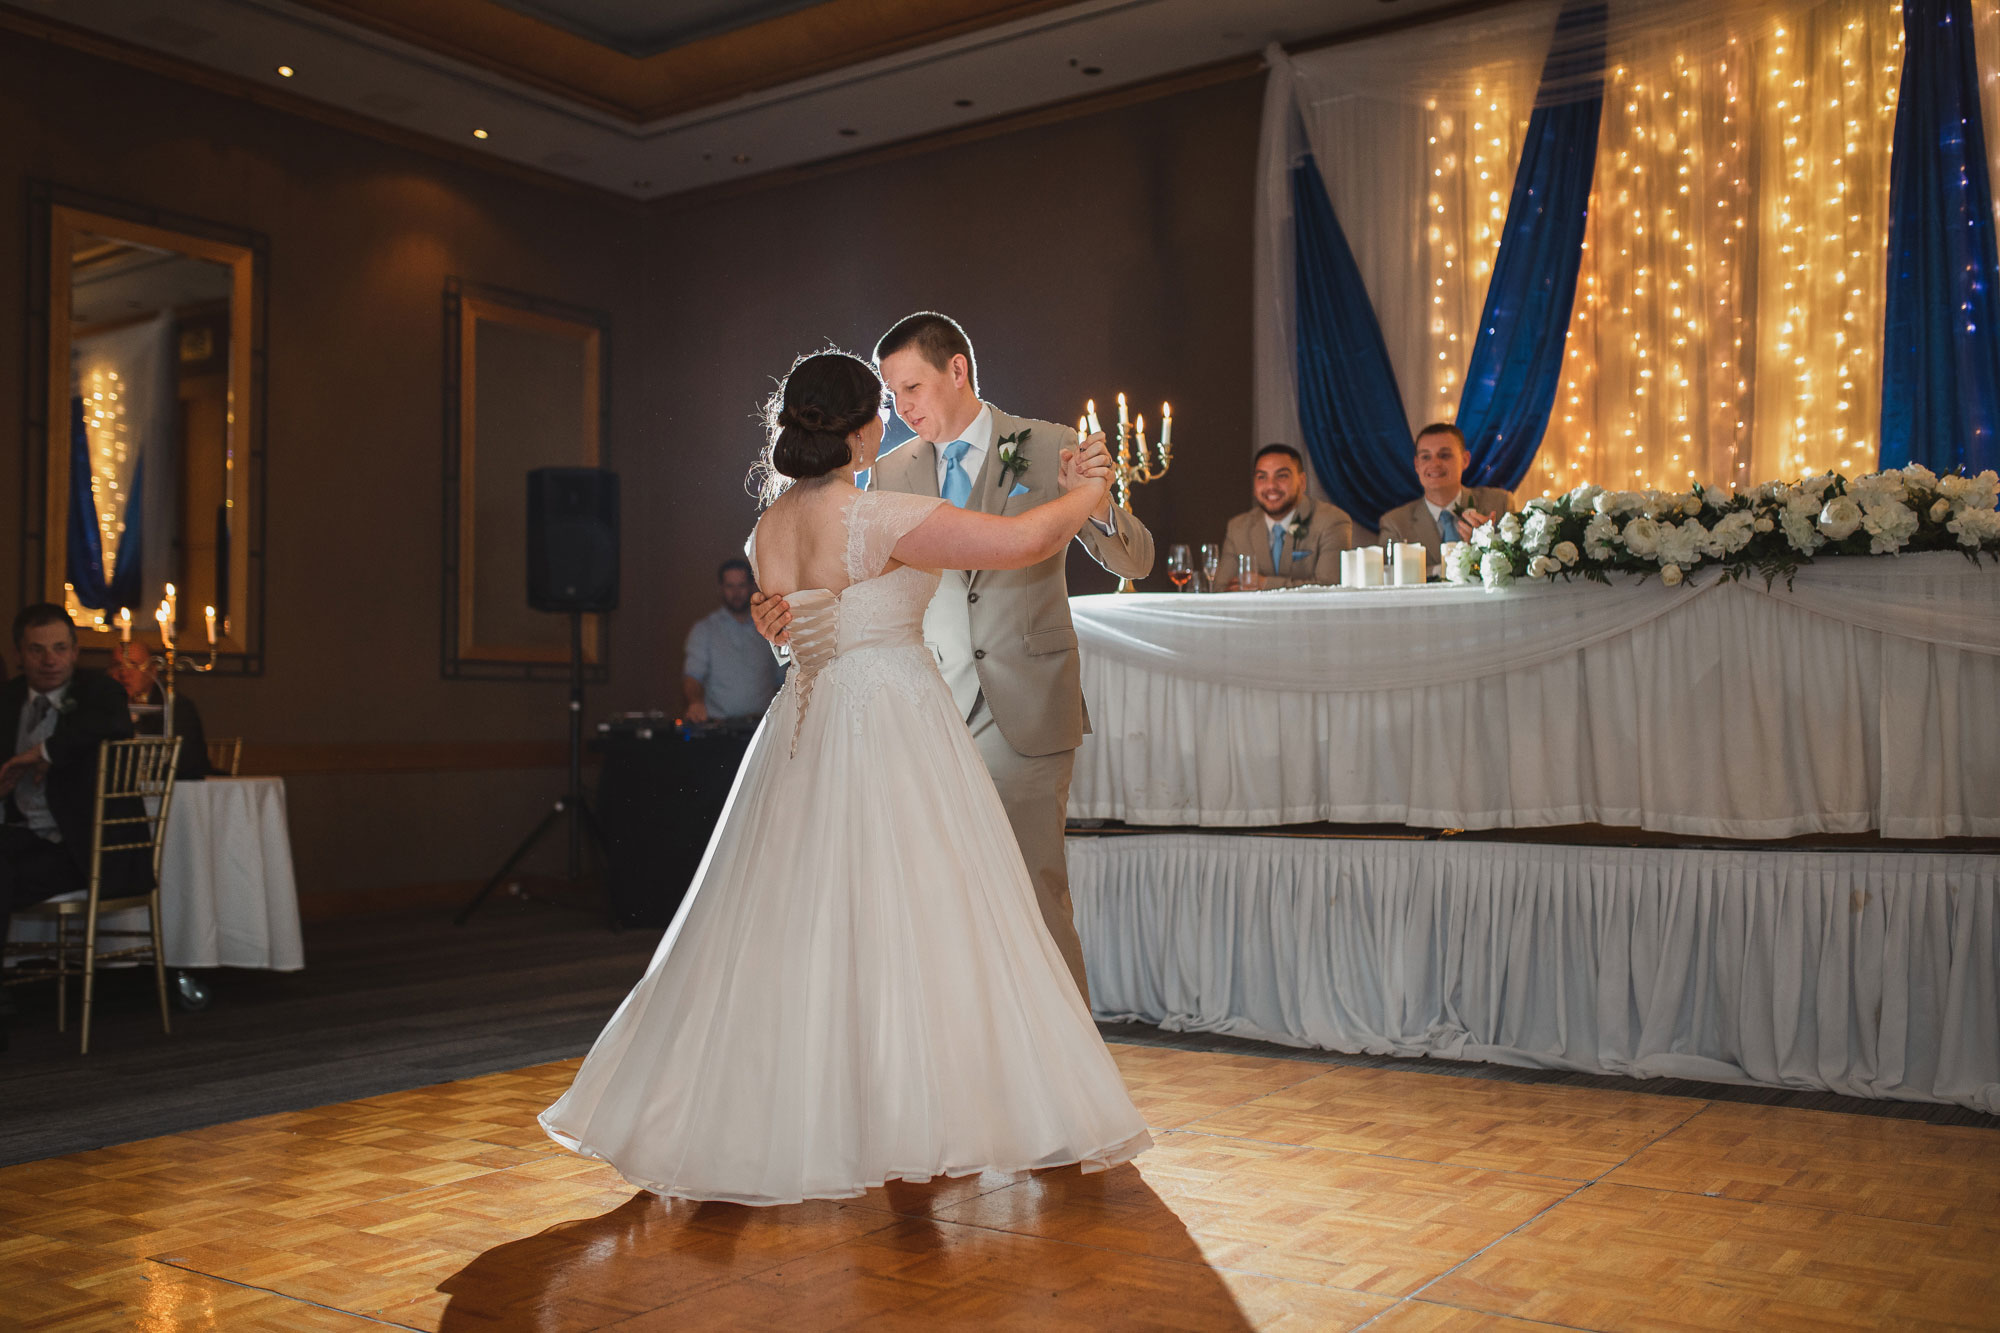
{"x": 13, "y": 698}
{"x": 988, "y": 495}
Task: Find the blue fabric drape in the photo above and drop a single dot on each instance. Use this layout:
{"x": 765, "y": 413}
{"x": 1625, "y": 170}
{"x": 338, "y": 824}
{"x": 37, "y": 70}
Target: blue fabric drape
{"x": 1349, "y": 406}
{"x": 84, "y": 560}
{"x": 1941, "y": 324}
{"x": 1516, "y": 363}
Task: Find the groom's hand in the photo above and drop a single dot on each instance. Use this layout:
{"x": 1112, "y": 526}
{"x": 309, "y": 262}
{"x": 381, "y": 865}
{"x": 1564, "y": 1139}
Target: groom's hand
{"x": 773, "y": 616}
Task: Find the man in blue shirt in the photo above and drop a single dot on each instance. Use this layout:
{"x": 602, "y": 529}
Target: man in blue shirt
{"x": 730, "y": 670}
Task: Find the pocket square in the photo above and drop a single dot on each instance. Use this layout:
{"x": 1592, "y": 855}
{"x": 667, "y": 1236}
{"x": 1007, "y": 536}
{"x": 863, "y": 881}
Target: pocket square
{"x": 1020, "y": 488}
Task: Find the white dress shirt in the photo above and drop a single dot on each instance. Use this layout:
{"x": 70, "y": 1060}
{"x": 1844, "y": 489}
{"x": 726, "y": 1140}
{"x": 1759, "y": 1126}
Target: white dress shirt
{"x": 1438, "y": 510}
{"x": 1280, "y": 521}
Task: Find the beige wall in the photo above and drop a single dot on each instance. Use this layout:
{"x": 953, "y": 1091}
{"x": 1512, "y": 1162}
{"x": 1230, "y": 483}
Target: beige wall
{"x": 1104, "y": 252}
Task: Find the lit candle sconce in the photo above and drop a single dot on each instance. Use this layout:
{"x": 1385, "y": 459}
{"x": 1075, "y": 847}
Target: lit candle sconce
{"x": 1133, "y": 461}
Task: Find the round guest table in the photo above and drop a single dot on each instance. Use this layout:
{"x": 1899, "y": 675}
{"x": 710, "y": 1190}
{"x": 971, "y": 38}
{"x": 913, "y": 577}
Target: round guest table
{"x": 227, "y": 895}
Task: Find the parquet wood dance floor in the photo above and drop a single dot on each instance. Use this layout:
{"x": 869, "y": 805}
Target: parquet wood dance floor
{"x": 1281, "y": 1195}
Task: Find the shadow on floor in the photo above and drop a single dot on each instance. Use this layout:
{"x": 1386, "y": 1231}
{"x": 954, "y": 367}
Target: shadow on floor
{"x": 894, "y": 1255}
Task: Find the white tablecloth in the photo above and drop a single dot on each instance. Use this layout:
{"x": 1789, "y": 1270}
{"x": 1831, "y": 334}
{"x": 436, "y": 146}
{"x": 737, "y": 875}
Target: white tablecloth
{"x": 1860, "y": 699}
{"x": 227, "y": 896}
{"x": 1867, "y": 973}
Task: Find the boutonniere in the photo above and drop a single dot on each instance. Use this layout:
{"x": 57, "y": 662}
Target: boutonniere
{"x": 1012, "y": 465}
{"x": 67, "y": 706}
{"x": 1299, "y": 525}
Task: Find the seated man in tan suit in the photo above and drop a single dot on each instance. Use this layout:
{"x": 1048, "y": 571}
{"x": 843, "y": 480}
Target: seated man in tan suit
{"x": 1291, "y": 538}
{"x": 1448, "y": 510}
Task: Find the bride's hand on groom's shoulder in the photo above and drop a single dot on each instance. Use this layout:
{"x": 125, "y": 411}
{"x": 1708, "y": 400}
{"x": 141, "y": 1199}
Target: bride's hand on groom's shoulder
{"x": 773, "y": 616}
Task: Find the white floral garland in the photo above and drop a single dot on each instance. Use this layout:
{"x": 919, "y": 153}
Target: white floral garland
{"x": 1772, "y": 530}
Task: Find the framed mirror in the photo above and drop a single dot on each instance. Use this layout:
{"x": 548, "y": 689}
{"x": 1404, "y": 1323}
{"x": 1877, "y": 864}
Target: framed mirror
{"x": 524, "y": 389}
{"x": 145, "y": 424}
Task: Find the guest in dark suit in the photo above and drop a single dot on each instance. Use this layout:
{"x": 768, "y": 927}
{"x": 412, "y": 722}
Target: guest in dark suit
{"x": 55, "y": 717}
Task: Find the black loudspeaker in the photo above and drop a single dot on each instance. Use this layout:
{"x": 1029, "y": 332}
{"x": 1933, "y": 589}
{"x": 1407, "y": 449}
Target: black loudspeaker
{"x": 572, "y": 539}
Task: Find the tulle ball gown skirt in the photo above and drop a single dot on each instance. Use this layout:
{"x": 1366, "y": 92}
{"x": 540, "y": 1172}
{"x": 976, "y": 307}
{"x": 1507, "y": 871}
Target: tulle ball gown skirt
{"x": 859, "y": 987}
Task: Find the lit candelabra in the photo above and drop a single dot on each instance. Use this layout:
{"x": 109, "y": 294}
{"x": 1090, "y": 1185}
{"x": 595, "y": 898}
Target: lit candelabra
{"x": 169, "y": 659}
{"x": 1130, "y": 463}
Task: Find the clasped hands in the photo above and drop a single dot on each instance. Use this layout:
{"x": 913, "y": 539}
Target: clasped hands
{"x": 28, "y": 763}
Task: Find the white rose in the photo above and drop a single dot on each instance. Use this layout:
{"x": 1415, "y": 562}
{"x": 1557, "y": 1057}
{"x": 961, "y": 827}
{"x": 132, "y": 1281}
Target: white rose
{"x": 1460, "y": 564}
{"x": 1671, "y": 575}
{"x": 1510, "y": 527}
{"x": 1642, "y": 537}
{"x": 1542, "y": 567}
{"x": 1974, "y": 527}
{"x": 1605, "y": 502}
{"x": 1764, "y": 524}
{"x": 1565, "y": 553}
{"x": 1840, "y": 518}
{"x": 1940, "y": 510}
{"x": 1496, "y": 571}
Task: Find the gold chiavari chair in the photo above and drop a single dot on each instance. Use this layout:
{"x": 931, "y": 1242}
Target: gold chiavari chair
{"x": 225, "y": 756}
{"x": 135, "y": 790}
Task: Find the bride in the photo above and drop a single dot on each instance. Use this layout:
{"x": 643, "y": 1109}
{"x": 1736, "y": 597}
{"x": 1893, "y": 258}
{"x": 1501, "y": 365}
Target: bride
{"x": 858, "y": 987}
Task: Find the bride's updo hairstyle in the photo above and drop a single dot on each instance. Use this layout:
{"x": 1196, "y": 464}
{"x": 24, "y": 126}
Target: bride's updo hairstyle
{"x": 826, "y": 398}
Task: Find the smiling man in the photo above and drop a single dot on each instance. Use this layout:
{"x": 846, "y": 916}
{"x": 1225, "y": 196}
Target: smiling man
{"x": 1448, "y": 510}
{"x": 1291, "y": 539}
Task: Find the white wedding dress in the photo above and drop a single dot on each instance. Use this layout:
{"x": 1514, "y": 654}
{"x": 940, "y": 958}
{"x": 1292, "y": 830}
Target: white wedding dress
{"x": 858, "y": 988}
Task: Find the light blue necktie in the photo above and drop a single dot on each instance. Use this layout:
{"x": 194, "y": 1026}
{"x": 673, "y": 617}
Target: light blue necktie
{"x": 1277, "y": 546}
{"x": 1447, "y": 525}
{"x": 957, "y": 485}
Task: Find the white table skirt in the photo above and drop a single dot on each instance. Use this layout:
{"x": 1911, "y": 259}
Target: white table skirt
{"x": 227, "y": 896}
{"x": 1859, "y": 701}
{"x": 1871, "y": 974}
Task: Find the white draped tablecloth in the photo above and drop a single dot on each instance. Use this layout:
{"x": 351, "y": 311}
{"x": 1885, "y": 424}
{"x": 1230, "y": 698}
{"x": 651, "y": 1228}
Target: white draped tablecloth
{"x": 227, "y": 895}
{"x": 1874, "y": 974}
{"x": 1860, "y": 698}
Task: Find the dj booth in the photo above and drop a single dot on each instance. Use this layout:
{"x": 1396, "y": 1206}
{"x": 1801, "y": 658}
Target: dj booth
{"x": 661, "y": 789}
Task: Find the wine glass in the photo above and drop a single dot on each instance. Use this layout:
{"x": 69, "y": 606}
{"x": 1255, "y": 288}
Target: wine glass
{"x": 1211, "y": 564}
{"x": 1178, "y": 567}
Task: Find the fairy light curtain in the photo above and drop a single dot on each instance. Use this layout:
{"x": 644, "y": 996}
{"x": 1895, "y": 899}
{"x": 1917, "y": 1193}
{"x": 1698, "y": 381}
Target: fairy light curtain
{"x": 1729, "y": 304}
{"x": 124, "y": 411}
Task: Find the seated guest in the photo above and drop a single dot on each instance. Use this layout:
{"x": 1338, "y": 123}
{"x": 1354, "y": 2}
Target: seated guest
{"x": 55, "y": 714}
{"x": 135, "y": 668}
{"x": 730, "y": 671}
{"x": 1291, "y": 538}
{"x": 1448, "y": 511}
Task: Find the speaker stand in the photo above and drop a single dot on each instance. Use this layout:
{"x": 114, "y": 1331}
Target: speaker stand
{"x": 572, "y": 807}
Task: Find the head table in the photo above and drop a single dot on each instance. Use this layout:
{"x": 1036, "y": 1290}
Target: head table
{"x": 1858, "y": 698}
{"x": 227, "y": 896}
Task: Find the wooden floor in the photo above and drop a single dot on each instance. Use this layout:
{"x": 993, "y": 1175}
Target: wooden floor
{"x": 1282, "y": 1195}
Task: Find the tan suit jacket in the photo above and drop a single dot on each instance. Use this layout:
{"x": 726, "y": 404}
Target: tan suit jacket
{"x": 1313, "y": 559}
{"x": 1024, "y": 644}
{"x": 1413, "y": 522}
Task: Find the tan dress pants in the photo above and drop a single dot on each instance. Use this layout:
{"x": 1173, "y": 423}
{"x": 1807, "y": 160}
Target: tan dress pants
{"x": 1035, "y": 790}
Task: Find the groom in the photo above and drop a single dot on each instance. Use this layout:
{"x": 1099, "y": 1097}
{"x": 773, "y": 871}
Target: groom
{"x": 1003, "y": 638}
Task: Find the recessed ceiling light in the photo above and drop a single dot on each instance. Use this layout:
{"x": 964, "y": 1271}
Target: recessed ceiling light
{"x": 963, "y": 101}
{"x": 285, "y": 71}
{"x": 479, "y": 134}
{"x": 1093, "y": 70}
{"x": 849, "y": 134}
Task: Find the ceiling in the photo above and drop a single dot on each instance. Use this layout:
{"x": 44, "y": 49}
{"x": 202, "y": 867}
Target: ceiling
{"x": 650, "y": 98}
{"x": 641, "y": 28}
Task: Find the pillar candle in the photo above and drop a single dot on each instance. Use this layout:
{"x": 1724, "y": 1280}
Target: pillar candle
{"x": 1408, "y": 559}
{"x": 1350, "y": 569}
{"x": 209, "y": 613}
{"x": 125, "y": 624}
{"x": 1371, "y": 566}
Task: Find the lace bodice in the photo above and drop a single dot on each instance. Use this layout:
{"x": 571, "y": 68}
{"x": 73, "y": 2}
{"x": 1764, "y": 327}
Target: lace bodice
{"x": 849, "y": 637}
